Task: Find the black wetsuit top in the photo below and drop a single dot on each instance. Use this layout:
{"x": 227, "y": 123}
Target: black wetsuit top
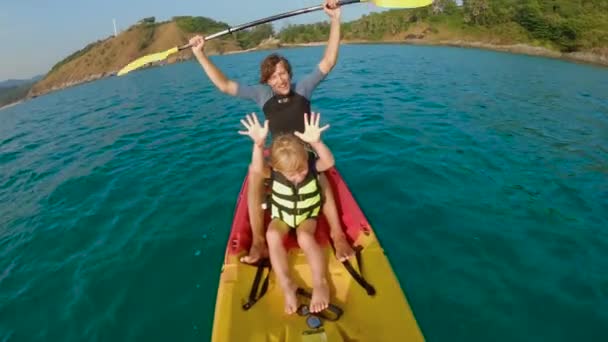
{"x": 285, "y": 113}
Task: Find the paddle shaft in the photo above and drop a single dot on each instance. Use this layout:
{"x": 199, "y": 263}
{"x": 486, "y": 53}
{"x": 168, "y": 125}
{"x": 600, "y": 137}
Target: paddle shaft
{"x": 271, "y": 18}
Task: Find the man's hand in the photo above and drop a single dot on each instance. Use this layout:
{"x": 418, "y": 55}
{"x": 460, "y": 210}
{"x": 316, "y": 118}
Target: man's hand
{"x": 332, "y": 9}
{"x": 198, "y": 44}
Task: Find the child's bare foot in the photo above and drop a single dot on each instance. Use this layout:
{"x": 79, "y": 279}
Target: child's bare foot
{"x": 291, "y": 300}
{"x": 320, "y": 297}
{"x": 343, "y": 249}
{"x": 256, "y": 252}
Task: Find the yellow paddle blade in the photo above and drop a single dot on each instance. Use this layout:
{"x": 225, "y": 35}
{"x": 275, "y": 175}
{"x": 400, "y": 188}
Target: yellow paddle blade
{"x": 401, "y": 3}
{"x": 141, "y": 61}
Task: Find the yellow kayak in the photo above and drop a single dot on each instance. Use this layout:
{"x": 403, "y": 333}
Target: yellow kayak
{"x": 368, "y": 303}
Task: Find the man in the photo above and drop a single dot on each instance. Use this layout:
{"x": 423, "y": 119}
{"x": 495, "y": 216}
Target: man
{"x": 284, "y": 104}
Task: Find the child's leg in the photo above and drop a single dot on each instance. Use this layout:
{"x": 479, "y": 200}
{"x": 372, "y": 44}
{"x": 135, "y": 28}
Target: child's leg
{"x": 278, "y": 258}
{"x": 318, "y": 266}
{"x": 343, "y": 248}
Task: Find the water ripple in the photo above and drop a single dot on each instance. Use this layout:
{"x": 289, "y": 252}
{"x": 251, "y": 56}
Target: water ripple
{"x": 116, "y": 196}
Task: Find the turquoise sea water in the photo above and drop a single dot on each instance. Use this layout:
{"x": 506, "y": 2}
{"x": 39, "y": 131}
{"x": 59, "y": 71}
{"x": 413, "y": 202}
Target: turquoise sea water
{"x": 484, "y": 174}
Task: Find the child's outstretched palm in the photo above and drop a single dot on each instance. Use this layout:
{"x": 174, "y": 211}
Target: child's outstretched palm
{"x": 312, "y": 131}
{"x": 255, "y": 131}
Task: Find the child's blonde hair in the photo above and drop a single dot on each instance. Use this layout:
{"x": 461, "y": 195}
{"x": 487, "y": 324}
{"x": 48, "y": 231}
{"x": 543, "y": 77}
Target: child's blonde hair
{"x": 288, "y": 154}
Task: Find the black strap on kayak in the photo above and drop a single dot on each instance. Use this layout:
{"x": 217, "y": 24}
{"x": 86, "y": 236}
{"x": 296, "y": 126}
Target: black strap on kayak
{"x": 253, "y": 294}
{"x": 358, "y": 276}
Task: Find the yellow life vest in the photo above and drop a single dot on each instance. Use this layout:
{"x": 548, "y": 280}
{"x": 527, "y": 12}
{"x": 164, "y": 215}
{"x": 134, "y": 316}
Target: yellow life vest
{"x": 294, "y": 204}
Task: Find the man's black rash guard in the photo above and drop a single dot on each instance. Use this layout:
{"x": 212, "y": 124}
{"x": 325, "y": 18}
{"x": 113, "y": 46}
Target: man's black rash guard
{"x": 285, "y": 113}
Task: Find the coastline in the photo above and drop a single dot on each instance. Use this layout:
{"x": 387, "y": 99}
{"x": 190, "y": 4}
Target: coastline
{"x": 8, "y": 105}
{"x": 520, "y": 49}
{"x": 524, "y": 49}
{"x": 591, "y": 58}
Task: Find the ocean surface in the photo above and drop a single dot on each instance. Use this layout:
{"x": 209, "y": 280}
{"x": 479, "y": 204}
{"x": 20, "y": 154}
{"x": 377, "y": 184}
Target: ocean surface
{"x": 484, "y": 174}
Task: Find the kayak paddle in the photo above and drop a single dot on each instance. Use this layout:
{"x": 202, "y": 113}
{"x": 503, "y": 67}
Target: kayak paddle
{"x": 159, "y": 56}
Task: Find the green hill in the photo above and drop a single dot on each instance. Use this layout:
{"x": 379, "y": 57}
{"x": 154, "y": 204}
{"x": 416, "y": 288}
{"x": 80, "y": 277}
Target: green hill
{"x": 105, "y": 57}
{"x": 569, "y": 28}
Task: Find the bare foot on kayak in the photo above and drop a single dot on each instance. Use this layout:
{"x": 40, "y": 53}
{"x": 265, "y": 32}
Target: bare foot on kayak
{"x": 320, "y": 297}
{"x": 343, "y": 249}
{"x": 291, "y": 300}
{"x": 257, "y": 251}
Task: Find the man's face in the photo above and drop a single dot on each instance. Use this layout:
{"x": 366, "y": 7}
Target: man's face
{"x": 280, "y": 81}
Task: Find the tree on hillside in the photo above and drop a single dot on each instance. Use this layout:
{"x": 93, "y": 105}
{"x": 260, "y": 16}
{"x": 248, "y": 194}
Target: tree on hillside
{"x": 561, "y": 31}
{"x": 199, "y": 24}
{"x": 253, "y": 37}
{"x": 444, "y": 6}
{"x": 148, "y": 20}
{"x": 305, "y": 33}
{"x": 477, "y": 12}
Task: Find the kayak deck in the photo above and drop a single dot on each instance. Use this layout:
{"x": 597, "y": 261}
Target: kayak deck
{"x": 385, "y": 316}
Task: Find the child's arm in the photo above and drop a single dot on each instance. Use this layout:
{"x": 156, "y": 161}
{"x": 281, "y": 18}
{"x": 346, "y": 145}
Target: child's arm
{"x": 257, "y": 159}
{"x": 258, "y": 134}
{"x": 312, "y": 135}
{"x": 326, "y": 158}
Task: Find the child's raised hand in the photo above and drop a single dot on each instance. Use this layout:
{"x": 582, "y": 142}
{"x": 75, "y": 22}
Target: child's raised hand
{"x": 312, "y": 132}
{"x": 255, "y": 131}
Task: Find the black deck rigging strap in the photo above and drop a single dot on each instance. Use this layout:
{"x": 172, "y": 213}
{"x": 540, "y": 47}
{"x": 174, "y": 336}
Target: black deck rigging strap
{"x": 358, "y": 276}
{"x": 265, "y": 263}
{"x": 253, "y": 294}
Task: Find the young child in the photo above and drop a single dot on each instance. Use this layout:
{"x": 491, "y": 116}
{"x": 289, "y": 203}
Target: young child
{"x": 295, "y": 201}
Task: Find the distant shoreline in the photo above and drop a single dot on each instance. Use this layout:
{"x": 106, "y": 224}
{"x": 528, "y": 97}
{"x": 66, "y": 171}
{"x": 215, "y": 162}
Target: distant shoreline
{"x": 11, "y": 104}
{"x": 519, "y": 49}
{"x": 589, "y": 58}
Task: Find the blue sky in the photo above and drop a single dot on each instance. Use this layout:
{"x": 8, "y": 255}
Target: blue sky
{"x": 35, "y": 34}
